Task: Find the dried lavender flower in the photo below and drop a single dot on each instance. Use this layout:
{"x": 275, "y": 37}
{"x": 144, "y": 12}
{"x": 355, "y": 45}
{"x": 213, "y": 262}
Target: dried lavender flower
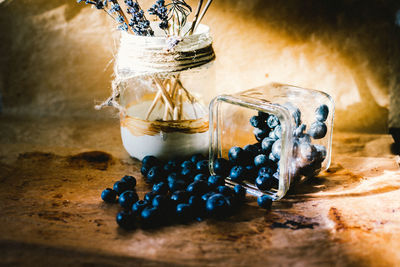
{"x": 161, "y": 11}
{"x": 138, "y": 23}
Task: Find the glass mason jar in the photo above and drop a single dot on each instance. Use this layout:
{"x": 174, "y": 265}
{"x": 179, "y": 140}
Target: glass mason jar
{"x": 164, "y": 92}
{"x": 280, "y": 135}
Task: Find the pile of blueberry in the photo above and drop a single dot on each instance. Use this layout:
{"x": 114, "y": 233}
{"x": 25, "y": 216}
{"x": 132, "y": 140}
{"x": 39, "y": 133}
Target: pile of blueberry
{"x": 259, "y": 163}
{"x": 182, "y": 191}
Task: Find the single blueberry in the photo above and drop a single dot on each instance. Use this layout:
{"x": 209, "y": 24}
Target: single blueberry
{"x": 276, "y": 149}
{"x": 121, "y": 187}
{"x": 235, "y": 153}
{"x": 206, "y": 196}
{"x": 176, "y": 185}
{"x": 127, "y": 199}
{"x": 216, "y": 180}
{"x": 144, "y": 170}
{"x": 278, "y": 132}
{"x": 260, "y": 134}
{"x": 197, "y": 157}
{"x": 108, "y": 195}
{"x": 160, "y": 188}
{"x": 272, "y": 158}
{"x": 261, "y": 160}
{"x": 221, "y": 166}
{"x": 200, "y": 177}
{"x": 307, "y": 152}
{"x": 138, "y": 206}
{"x": 184, "y": 212}
{"x": 180, "y": 197}
{"x": 321, "y": 113}
{"x": 197, "y": 188}
{"x": 321, "y": 151}
{"x": 266, "y": 182}
{"x": 187, "y": 174}
{"x": 264, "y": 201}
{"x": 217, "y": 206}
{"x": 161, "y": 202}
{"x": 150, "y": 161}
{"x": 318, "y": 130}
{"x": 155, "y": 174}
{"x": 265, "y": 171}
{"x": 272, "y": 121}
{"x": 126, "y": 220}
{"x": 202, "y": 166}
{"x": 295, "y": 111}
{"x": 150, "y": 217}
{"x": 266, "y": 144}
{"x": 149, "y": 196}
{"x": 225, "y": 190}
{"x": 240, "y": 192}
{"x": 258, "y": 122}
{"x": 130, "y": 180}
{"x": 188, "y": 165}
{"x": 237, "y": 174}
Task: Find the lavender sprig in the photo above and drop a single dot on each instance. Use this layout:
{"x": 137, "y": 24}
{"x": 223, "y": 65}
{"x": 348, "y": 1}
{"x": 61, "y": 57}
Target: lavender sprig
{"x": 138, "y": 23}
{"x": 161, "y": 11}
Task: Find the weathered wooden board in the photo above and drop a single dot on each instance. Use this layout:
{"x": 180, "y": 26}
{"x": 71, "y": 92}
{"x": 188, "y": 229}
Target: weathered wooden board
{"x": 52, "y": 172}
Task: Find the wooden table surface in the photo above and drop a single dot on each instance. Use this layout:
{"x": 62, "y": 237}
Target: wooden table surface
{"x": 52, "y": 172}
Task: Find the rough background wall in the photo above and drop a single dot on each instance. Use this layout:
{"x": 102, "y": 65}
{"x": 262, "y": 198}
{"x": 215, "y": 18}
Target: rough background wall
{"x": 55, "y": 55}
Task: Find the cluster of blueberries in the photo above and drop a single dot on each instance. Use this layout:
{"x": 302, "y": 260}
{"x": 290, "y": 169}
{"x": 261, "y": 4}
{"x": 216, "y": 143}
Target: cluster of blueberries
{"x": 259, "y": 163}
{"x": 182, "y": 191}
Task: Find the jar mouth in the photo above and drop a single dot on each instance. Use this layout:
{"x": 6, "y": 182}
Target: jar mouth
{"x": 159, "y": 34}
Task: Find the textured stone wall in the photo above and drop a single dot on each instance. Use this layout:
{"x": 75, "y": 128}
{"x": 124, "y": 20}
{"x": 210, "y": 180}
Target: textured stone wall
{"x": 55, "y": 56}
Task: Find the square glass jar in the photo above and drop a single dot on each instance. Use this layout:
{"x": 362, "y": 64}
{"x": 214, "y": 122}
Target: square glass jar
{"x": 303, "y": 136}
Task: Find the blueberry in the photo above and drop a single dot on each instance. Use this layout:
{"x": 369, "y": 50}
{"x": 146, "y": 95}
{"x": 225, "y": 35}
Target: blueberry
{"x": 266, "y": 144}
{"x": 127, "y": 198}
{"x": 144, "y": 170}
{"x": 235, "y": 154}
{"x": 318, "y": 130}
{"x": 180, "y": 197}
{"x": 187, "y": 174}
{"x": 237, "y": 174}
{"x": 307, "y": 153}
{"x": 321, "y": 151}
{"x": 149, "y": 196}
{"x": 138, "y": 206}
{"x": 160, "y": 188}
{"x": 196, "y": 158}
{"x": 200, "y": 177}
{"x": 225, "y": 190}
{"x": 171, "y": 166}
{"x": 150, "y": 217}
{"x": 126, "y": 220}
{"x": 295, "y": 111}
{"x": 161, "y": 202}
{"x": 276, "y": 149}
{"x": 184, "y": 212}
{"x": 197, "y": 188}
{"x": 176, "y": 185}
{"x": 305, "y": 138}
{"x": 216, "y": 180}
{"x": 155, "y": 174}
{"x": 221, "y": 166}
{"x": 217, "y": 206}
{"x": 272, "y": 121}
{"x": 240, "y": 192}
{"x": 321, "y": 113}
{"x": 251, "y": 149}
{"x": 261, "y": 160}
{"x": 150, "y": 161}
{"x": 272, "y": 158}
{"x": 172, "y": 177}
{"x": 130, "y": 180}
{"x": 258, "y": 122}
{"x": 265, "y": 171}
{"x": 299, "y": 131}
{"x": 206, "y": 196}
{"x": 108, "y": 195}
{"x": 188, "y": 165}
{"x": 264, "y": 201}
{"x": 266, "y": 182}
{"x": 260, "y": 134}
{"x": 120, "y": 187}
{"x": 202, "y": 166}
{"x": 278, "y": 132}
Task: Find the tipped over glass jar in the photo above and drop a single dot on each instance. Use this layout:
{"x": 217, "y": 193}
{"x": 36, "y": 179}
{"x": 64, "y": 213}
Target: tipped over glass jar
{"x": 270, "y": 138}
